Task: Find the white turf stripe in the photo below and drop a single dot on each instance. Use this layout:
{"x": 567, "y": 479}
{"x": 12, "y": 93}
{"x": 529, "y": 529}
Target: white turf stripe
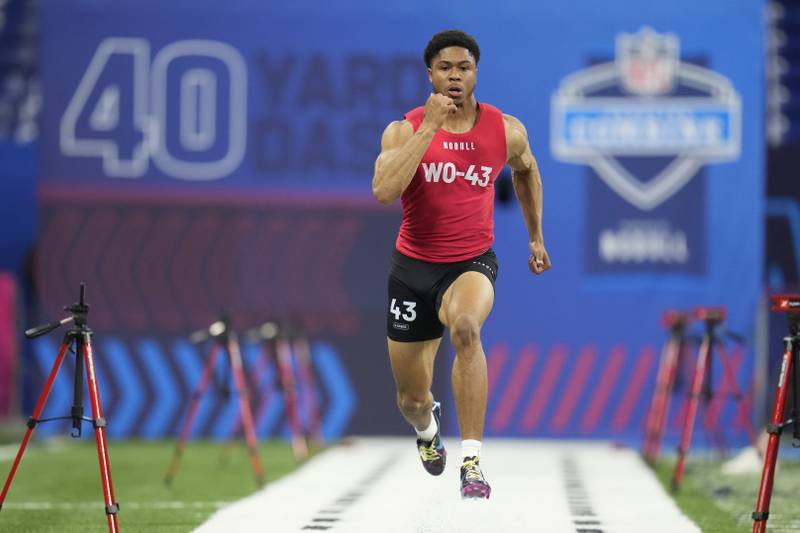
{"x": 378, "y": 485}
{"x": 626, "y": 495}
{"x": 69, "y": 506}
{"x": 8, "y": 452}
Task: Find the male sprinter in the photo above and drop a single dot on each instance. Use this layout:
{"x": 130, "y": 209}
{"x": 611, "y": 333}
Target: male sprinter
{"x": 442, "y": 161}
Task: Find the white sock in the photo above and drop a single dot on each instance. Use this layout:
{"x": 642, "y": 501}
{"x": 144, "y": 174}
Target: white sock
{"x": 470, "y": 448}
{"x": 429, "y": 432}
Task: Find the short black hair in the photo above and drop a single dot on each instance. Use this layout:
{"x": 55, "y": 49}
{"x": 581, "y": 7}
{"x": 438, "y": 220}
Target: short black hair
{"x": 446, "y": 38}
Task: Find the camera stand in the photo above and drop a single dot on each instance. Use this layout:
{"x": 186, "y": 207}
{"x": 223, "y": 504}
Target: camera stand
{"x": 80, "y": 335}
{"x": 671, "y": 355}
{"x": 789, "y": 304}
{"x": 224, "y": 338}
{"x": 285, "y": 347}
{"x": 712, "y": 341}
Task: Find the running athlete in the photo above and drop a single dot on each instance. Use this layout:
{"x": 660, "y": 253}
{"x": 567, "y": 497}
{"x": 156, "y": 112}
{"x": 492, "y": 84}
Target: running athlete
{"x": 442, "y": 161}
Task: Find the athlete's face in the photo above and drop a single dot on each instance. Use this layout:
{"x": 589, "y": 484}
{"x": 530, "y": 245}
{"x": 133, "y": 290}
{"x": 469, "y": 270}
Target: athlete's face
{"x": 453, "y": 73}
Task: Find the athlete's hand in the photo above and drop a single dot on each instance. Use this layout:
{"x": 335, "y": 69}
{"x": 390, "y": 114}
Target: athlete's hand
{"x": 539, "y": 261}
{"x": 437, "y": 108}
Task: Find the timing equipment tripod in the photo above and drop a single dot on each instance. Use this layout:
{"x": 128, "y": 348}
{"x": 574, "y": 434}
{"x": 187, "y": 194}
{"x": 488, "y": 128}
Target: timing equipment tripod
{"x": 713, "y": 319}
{"x": 789, "y": 304}
{"x": 288, "y": 347}
{"x": 675, "y": 322}
{"x": 307, "y": 379}
{"x": 224, "y": 338}
{"x": 80, "y": 334}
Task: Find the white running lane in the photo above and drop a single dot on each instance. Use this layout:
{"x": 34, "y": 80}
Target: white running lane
{"x": 377, "y": 485}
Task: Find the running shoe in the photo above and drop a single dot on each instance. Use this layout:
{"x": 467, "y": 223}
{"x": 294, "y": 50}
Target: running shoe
{"x": 432, "y": 453}
{"x": 473, "y": 485}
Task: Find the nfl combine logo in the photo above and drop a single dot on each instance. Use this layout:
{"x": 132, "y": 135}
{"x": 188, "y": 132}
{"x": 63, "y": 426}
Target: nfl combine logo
{"x": 646, "y": 104}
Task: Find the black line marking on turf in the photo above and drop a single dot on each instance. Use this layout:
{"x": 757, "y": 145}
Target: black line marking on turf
{"x": 580, "y": 505}
{"x": 321, "y": 522}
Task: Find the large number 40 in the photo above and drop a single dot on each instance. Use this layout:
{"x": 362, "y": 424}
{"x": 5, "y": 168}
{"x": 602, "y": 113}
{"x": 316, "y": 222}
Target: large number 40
{"x": 186, "y": 111}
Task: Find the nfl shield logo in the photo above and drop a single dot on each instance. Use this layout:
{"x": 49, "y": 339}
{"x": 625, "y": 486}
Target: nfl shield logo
{"x": 646, "y": 123}
{"x": 647, "y": 61}
{"x": 644, "y": 105}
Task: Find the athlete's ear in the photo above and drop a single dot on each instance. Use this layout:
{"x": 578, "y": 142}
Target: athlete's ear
{"x": 430, "y": 75}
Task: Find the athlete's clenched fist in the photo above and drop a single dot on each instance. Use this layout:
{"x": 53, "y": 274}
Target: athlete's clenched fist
{"x": 437, "y": 108}
{"x": 539, "y": 260}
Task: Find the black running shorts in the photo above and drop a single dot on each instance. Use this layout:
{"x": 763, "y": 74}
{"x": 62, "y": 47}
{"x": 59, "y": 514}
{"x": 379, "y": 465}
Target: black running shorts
{"x": 415, "y": 293}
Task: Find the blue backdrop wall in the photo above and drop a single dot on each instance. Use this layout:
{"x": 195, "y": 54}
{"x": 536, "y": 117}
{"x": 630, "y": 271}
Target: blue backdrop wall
{"x": 203, "y": 155}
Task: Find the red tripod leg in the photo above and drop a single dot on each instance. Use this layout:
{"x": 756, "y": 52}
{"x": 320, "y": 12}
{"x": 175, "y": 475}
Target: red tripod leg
{"x": 650, "y": 419}
{"x": 187, "y": 423}
{"x": 691, "y": 413}
{"x": 284, "y": 353}
{"x": 32, "y": 421}
{"x": 664, "y": 412}
{"x": 99, "y": 424}
{"x": 258, "y": 374}
{"x": 266, "y": 397}
{"x": 659, "y": 402}
{"x": 774, "y": 429}
{"x": 303, "y": 351}
{"x": 244, "y": 407}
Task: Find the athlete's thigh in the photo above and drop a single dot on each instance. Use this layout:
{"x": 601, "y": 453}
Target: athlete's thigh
{"x": 412, "y": 364}
{"x": 471, "y": 293}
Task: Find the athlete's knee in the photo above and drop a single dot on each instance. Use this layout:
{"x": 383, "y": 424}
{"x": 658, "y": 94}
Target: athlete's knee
{"x": 411, "y": 403}
{"x": 465, "y": 332}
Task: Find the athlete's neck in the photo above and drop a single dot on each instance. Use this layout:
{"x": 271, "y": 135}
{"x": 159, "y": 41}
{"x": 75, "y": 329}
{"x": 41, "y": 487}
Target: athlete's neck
{"x": 464, "y": 118}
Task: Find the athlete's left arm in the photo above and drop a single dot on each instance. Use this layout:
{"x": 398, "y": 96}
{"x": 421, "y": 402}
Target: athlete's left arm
{"x": 528, "y": 188}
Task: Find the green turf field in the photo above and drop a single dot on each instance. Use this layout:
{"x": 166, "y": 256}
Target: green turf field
{"x": 65, "y": 474}
{"x": 721, "y": 503}
{"x": 57, "y": 488}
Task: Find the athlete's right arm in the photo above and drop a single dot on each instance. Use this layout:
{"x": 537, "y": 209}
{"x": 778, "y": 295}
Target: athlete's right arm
{"x": 402, "y": 149}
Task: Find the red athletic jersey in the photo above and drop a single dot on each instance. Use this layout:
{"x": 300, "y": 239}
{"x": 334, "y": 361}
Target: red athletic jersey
{"x": 448, "y": 207}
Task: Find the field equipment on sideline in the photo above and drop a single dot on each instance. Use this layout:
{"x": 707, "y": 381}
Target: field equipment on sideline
{"x": 673, "y": 352}
{"x": 789, "y": 304}
{"x": 223, "y": 338}
{"x": 309, "y": 386}
{"x": 80, "y": 335}
{"x": 288, "y": 347}
{"x": 713, "y": 318}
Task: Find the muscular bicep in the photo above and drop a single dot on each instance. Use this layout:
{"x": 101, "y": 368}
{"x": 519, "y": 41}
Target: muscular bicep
{"x": 395, "y": 135}
{"x": 518, "y": 151}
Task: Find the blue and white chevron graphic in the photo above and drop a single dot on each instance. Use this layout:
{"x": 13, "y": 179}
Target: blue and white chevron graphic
{"x": 166, "y": 393}
{"x": 60, "y": 399}
{"x": 131, "y": 396}
{"x": 340, "y": 392}
{"x": 146, "y": 385}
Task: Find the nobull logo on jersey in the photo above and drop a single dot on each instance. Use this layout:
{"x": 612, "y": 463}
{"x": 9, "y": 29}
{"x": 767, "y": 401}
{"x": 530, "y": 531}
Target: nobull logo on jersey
{"x": 646, "y": 124}
{"x": 468, "y": 146}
